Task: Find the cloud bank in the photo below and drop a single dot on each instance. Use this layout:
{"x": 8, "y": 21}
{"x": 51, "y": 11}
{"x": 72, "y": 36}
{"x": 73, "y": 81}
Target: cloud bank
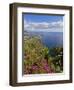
{"x": 56, "y": 26}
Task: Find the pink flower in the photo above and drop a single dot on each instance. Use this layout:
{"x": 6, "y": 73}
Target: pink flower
{"x": 35, "y": 67}
{"x": 47, "y": 68}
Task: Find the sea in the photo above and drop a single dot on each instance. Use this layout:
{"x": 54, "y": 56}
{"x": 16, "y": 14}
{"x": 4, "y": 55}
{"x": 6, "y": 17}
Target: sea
{"x": 49, "y": 39}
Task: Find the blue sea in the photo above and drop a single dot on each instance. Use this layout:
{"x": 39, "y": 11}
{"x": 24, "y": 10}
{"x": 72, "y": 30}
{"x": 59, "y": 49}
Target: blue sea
{"x": 49, "y": 39}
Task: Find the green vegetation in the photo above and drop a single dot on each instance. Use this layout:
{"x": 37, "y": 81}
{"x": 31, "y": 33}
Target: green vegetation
{"x": 41, "y": 59}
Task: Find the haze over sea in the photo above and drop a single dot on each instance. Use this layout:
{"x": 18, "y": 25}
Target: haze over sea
{"x": 49, "y": 39}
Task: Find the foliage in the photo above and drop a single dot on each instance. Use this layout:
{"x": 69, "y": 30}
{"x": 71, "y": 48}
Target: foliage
{"x": 41, "y": 59}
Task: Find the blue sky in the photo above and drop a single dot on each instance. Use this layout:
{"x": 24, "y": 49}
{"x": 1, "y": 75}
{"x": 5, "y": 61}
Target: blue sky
{"x": 39, "y": 22}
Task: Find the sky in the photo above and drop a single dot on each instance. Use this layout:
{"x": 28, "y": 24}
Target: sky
{"x": 40, "y": 22}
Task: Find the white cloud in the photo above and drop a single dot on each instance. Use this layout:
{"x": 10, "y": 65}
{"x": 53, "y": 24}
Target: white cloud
{"x": 49, "y": 26}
